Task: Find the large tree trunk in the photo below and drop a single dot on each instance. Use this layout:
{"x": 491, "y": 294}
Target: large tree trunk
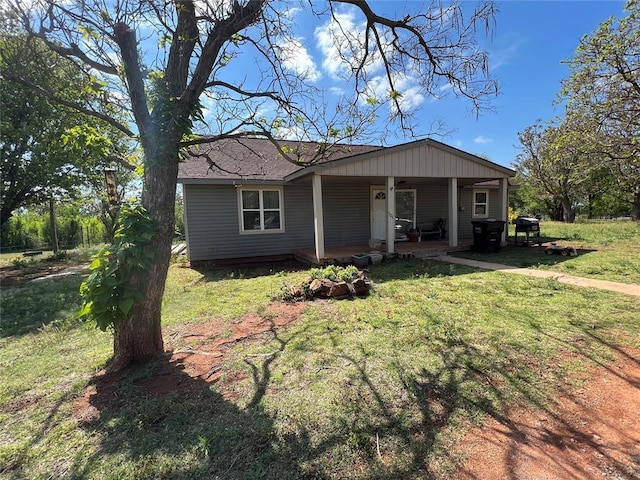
{"x": 139, "y": 338}
{"x": 568, "y": 215}
{"x": 635, "y": 208}
{"x": 5, "y": 215}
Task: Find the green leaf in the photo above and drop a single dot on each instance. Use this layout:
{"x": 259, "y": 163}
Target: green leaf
{"x": 125, "y": 305}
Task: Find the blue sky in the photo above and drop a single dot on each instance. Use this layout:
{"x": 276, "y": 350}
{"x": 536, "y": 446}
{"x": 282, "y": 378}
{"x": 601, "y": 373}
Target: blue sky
{"x": 530, "y": 41}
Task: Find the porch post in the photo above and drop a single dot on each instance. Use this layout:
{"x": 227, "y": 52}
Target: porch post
{"x": 452, "y": 224}
{"x": 391, "y": 214}
{"x": 503, "y": 194}
{"x": 318, "y": 219}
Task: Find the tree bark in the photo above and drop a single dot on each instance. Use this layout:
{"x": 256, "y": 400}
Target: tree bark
{"x": 52, "y": 225}
{"x": 635, "y": 208}
{"x": 138, "y": 338}
{"x": 569, "y": 215}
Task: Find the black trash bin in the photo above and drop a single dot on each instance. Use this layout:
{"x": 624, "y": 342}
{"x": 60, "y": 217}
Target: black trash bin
{"x": 486, "y": 235}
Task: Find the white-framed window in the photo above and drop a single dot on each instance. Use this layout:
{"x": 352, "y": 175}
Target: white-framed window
{"x": 481, "y": 203}
{"x": 261, "y": 209}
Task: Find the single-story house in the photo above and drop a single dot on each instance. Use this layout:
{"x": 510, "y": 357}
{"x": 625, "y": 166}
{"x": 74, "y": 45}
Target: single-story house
{"x": 243, "y": 199}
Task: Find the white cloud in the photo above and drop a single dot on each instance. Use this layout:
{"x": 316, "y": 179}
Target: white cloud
{"x": 504, "y": 56}
{"x": 481, "y": 139}
{"x": 412, "y": 96}
{"x": 292, "y": 12}
{"x": 296, "y": 58}
{"x": 340, "y": 40}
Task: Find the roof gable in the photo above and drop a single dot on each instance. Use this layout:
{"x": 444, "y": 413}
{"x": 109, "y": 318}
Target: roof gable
{"x": 258, "y": 160}
{"x": 422, "y": 158}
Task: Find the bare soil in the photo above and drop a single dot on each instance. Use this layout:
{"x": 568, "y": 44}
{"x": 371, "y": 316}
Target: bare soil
{"x": 587, "y": 432}
{"x": 590, "y": 432}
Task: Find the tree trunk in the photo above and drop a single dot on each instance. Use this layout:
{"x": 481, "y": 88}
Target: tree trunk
{"x": 139, "y": 338}
{"x": 635, "y": 208}
{"x": 568, "y": 215}
{"x": 5, "y": 215}
{"x": 52, "y": 224}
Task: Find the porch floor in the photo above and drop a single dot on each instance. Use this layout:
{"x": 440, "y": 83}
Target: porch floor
{"x": 342, "y": 254}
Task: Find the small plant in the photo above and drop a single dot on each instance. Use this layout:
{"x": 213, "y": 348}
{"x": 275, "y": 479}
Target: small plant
{"x": 19, "y": 263}
{"x": 109, "y": 292}
{"x": 58, "y": 256}
{"x": 335, "y": 273}
{"x": 203, "y": 446}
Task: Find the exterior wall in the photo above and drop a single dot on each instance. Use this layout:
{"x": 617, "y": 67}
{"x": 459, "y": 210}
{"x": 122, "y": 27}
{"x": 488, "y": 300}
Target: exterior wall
{"x": 347, "y": 218}
{"x": 465, "y": 227}
{"x": 423, "y": 160}
{"x": 211, "y": 214}
{"x": 431, "y": 204}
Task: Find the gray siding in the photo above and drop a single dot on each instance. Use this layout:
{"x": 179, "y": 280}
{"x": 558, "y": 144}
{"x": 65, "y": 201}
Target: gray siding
{"x": 465, "y": 227}
{"x": 347, "y": 218}
{"x": 422, "y": 160}
{"x": 211, "y": 214}
{"x": 431, "y": 204}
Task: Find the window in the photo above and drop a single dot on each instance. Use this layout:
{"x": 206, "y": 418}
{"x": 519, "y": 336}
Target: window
{"x": 406, "y": 206}
{"x": 481, "y": 203}
{"x": 260, "y": 210}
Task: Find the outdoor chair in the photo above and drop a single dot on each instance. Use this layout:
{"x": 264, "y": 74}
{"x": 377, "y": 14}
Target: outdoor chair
{"x": 435, "y": 231}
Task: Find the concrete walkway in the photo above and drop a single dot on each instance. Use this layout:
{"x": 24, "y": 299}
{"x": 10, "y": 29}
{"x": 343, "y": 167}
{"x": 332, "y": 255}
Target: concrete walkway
{"x": 626, "y": 288}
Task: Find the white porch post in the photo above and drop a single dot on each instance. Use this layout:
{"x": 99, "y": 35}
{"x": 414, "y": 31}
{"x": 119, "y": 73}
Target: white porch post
{"x": 503, "y": 194}
{"x": 318, "y": 218}
{"x": 453, "y": 212}
{"x": 391, "y": 214}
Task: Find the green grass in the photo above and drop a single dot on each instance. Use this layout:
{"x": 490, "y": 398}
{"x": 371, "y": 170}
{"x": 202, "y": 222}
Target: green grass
{"x": 607, "y": 250}
{"x": 370, "y": 388}
{"x": 48, "y": 258}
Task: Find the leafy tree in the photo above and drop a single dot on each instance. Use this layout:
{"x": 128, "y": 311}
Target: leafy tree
{"x": 190, "y": 49}
{"x": 48, "y": 150}
{"x": 604, "y": 89}
{"x": 556, "y": 163}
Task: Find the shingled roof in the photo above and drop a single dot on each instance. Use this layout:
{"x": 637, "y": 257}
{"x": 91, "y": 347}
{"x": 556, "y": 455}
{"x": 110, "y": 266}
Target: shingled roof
{"x": 256, "y": 159}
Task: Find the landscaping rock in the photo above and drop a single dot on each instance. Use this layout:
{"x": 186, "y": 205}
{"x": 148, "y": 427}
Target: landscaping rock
{"x": 325, "y": 288}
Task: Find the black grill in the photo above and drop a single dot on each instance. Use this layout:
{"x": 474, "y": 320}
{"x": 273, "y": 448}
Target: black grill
{"x": 528, "y": 226}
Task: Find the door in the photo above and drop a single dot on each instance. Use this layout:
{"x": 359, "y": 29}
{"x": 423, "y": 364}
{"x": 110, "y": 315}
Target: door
{"x": 405, "y": 210}
{"x": 378, "y": 213}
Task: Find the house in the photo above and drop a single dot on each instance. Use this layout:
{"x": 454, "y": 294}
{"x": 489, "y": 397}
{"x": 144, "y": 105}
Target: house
{"x": 243, "y": 199}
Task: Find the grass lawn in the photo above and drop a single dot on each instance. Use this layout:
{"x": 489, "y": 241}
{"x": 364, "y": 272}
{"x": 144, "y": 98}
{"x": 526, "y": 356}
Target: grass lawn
{"x": 370, "y": 388}
{"x": 607, "y": 250}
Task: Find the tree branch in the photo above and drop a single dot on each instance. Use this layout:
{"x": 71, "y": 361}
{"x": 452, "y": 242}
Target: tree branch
{"x": 125, "y": 37}
{"x": 56, "y": 99}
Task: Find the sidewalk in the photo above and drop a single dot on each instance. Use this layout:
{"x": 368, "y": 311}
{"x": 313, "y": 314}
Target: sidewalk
{"x": 626, "y": 288}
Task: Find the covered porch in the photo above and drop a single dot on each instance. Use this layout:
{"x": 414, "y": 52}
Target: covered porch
{"x": 343, "y": 254}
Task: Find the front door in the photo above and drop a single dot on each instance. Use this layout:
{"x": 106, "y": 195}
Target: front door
{"x": 378, "y": 213}
{"x": 405, "y": 210}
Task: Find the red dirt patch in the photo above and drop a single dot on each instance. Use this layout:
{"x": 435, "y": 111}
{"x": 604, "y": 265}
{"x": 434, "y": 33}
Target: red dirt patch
{"x": 590, "y": 432}
{"x": 586, "y": 433}
{"x": 195, "y": 355}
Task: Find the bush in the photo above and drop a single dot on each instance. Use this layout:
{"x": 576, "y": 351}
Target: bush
{"x": 335, "y": 273}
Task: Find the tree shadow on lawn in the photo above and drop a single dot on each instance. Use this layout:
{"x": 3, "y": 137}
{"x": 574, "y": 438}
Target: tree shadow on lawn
{"x": 524, "y": 256}
{"x": 583, "y": 430}
{"x": 29, "y": 306}
{"x": 160, "y": 422}
{"x": 213, "y": 273}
